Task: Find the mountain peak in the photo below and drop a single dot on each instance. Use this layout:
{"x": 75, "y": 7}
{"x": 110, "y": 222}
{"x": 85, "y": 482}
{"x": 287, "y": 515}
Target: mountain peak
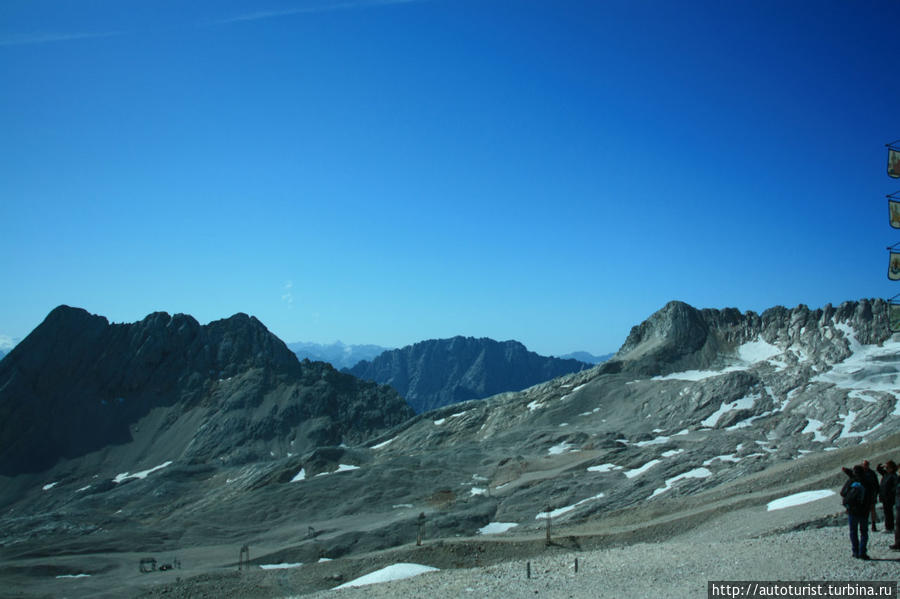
{"x": 77, "y": 384}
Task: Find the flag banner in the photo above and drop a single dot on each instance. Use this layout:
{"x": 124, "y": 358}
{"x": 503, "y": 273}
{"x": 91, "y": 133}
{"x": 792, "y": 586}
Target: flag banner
{"x": 893, "y": 163}
{"x": 894, "y": 211}
{"x": 894, "y": 316}
{"x": 894, "y": 267}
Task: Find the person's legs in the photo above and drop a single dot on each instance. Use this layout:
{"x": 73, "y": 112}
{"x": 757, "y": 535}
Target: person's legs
{"x": 864, "y": 537}
{"x": 889, "y": 516}
{"x": 853, "y": 521}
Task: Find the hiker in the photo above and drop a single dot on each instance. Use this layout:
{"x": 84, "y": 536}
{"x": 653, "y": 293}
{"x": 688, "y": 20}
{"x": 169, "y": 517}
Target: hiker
{"x": 888, "y": 492}
{"x": 870, "y": 480}
{"x": 857, "y": 504}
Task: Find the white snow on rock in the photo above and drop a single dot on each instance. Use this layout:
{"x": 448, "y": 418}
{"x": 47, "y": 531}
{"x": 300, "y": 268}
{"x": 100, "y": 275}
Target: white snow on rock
{"x": 74, "y": 576}
{"x": 394, "y": 572}
{"x": 440, "y": 421}
{"x": 798, "y": 499}
{"x": 642, "y": 469}
{"x": 496, "y": 528}
{"x": 280, "y": 566}
{"x": 346, "y": 468}
{"x": 670, "y": 482}
{"x": 384, "y": 444}
{"x": 560, "y": 449}
{"x": 747, "y": 354}
{"x": 655, "y": 441}
{"x": 745, "y": 403}
{"x": 847, "y": 424}
{"x": 299, "y": 476}
{"x": 49, "y": 486}
{"x": 757, "y": 351}
{"x": 565, "y": 510}
{"x": 814, "y": 426}
{"x": 604, "y": 468}
{"x": 143, "y": 474}
{"x": 868, "y": 368}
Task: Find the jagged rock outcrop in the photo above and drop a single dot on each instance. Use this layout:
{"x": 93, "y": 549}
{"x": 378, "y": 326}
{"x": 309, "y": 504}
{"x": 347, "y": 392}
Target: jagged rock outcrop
{"x": 227, "y": 390}
{"x": 680, "y": 337}
{"x": 440, "y": 372}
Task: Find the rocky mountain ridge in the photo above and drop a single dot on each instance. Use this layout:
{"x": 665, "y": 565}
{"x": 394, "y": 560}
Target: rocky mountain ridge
{"x": 695, "y": 401}
{"x": 439, "y": 372}
{"x": 229, "y": 390}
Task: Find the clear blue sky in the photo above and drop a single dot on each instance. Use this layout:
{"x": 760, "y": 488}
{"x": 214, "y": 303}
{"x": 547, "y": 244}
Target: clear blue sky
{"x": 552, "y": 171}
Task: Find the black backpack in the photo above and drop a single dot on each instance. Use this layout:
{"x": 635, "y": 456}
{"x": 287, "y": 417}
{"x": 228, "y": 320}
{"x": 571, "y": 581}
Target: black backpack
{"x": 855, "y": 499}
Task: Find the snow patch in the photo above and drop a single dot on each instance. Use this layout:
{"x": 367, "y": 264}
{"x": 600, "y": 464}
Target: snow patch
{"x": 813, "y": 426}
{"x": 757, "y": 351}
{"x": 49, "y": 486}
{"x": 143, "y": 474}
{"x": 745, "y": 403}
{"x": 496, "y": 528}
{"x": 670, "y": 482}
{"x": 279, "y": 566}
{"x": 604, "y": 468}
{"x": 299, "y": 476}
{"x": 560, "y": 449}
{"x": 642, "y": 469}
{"x": 394, "y": 572}
{"x": 384, "y": 444}
{"x": 868, "y": 368}
{"x": 565, "y": 510}
{"x": 798, "y": 499}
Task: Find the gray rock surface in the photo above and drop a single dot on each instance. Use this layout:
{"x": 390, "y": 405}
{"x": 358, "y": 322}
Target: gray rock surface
{"x": 700, "y": 414}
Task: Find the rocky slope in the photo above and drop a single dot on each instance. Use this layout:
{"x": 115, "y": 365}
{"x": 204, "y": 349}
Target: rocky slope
{"x": 698, "y": 407}
{"x": 439, "y": 372}
{"x": 228, "y": 391}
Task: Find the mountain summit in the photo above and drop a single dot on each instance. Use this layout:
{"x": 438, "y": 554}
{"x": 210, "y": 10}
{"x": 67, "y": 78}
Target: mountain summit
{"x": 229, "y": 390}
{"x": 439, "y": 372}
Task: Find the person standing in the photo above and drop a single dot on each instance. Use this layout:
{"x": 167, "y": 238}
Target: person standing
{"x": 888, "y": 492}
{"x": 870, "y": 480}
{"x": 857, "y": 503}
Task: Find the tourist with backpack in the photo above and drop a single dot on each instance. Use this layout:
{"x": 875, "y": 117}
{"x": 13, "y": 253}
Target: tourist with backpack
{"x": 856, "y": 500}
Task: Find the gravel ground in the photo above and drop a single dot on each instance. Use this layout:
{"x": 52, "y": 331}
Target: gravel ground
{"x": 669, "y": 569}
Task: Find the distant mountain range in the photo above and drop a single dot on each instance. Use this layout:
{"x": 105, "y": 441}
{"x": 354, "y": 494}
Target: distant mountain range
{"x": 337, "y": 354}
{"x": 439, "y": 372}
{"x": 583, "y": 356}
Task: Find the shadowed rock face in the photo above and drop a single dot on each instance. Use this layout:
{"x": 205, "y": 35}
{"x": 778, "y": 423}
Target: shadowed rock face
{"x": 439, "y": 372}
{"x": 78, "y": 384}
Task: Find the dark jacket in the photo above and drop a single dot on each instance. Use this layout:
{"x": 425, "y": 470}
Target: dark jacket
{"x": 864, "y": 509}
{"x": 870, "y": 480}
{"x": 888, "y": 491}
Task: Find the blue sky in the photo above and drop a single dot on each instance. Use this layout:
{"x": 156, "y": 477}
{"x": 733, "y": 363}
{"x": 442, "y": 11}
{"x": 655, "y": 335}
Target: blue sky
{"x": 391, "y": 171}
